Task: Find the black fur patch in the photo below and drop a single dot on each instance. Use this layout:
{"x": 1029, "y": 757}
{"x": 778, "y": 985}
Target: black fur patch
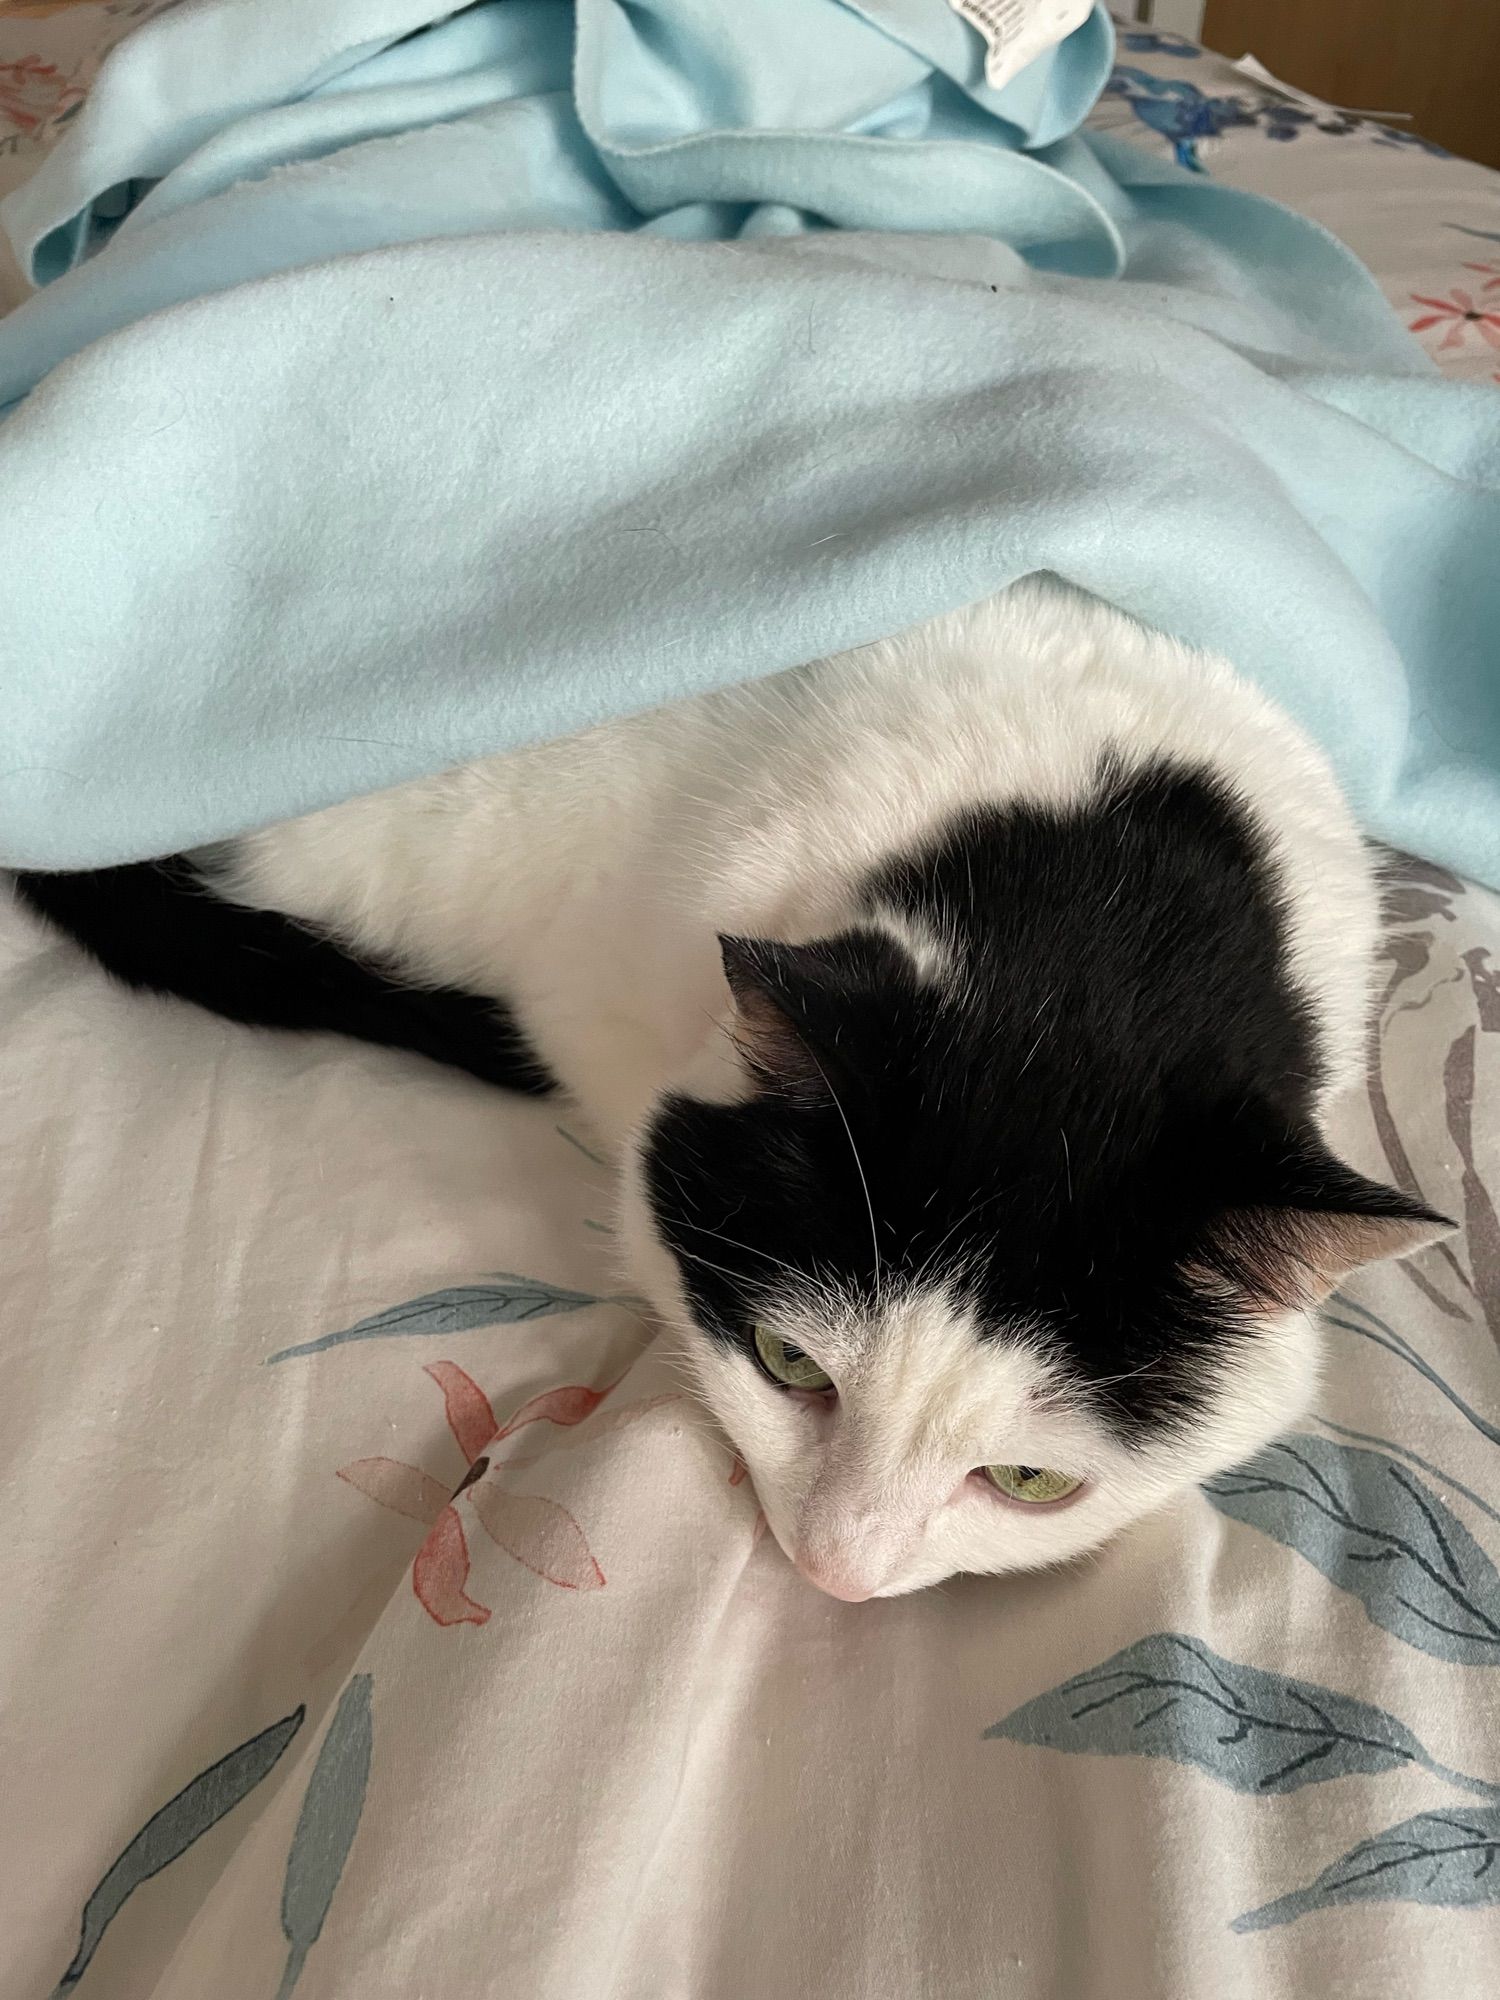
{"x": 1119, "y": 1059}
{"x": 155, "y": 927}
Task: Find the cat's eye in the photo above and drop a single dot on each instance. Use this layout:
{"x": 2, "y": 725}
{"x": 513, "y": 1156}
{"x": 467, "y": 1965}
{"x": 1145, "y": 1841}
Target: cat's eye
{"x": 1034, "y": 1484}
{"x": 787, "y": 1364}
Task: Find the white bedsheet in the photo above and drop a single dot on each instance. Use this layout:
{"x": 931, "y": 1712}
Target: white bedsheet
{"x": 591, "y": 1735}
{"x": 281, "y": 1710}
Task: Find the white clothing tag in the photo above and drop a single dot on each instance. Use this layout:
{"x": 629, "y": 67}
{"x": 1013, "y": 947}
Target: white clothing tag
{"x": 1016, "y": 32}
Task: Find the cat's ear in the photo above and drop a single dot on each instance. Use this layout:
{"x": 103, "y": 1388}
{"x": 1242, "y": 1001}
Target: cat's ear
{"x": 768, "y": 984}
{"x": 1317, "y": 1221}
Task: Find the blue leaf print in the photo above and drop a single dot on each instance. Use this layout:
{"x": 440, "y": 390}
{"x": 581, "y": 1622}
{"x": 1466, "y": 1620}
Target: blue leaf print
{"x": 1439, "y": 1857}
{"x": 1172, "y": 1696}
{"x": 1377, "y": 1530}
{"x": 1387, "y": 1337}
{"x": 1158, "y": 42}
{"x": 1176, "y": 109}
{"x": 1415, "y": 1458}
{"x": 170, "y": 1832}
{"x": 326, "y": 1827}
{"x": 505, "y": 1301}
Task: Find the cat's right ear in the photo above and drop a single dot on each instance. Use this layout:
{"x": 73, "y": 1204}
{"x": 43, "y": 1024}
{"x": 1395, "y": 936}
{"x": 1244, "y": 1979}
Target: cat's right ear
{"x": 1318, "y": 1222}
{"x": 766, "y": 1033}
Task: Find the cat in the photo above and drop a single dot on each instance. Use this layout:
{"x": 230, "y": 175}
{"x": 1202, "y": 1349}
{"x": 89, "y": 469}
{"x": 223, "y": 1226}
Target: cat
{"x": 963, "y": 1012}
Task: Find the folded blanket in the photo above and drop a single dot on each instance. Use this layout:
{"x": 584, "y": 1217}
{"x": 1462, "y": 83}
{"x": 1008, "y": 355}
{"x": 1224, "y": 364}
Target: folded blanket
{"x": 683, "y": 343}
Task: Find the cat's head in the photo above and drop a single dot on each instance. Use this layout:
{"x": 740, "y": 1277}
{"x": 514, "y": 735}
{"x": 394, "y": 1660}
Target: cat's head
{"x": 983, "y": 1261}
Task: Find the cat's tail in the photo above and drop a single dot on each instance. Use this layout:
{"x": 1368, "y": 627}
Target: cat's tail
{"x": 155, "y": 927}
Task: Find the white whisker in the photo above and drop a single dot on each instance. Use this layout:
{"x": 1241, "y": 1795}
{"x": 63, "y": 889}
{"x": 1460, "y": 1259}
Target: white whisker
{"x": 858, "y": 1167}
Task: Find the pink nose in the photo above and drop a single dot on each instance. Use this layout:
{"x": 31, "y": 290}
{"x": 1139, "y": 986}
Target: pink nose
{"x": 835, "y": 1582}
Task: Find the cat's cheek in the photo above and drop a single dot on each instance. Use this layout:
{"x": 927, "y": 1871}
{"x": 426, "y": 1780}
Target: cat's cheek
{"x": 780, "y": 1449}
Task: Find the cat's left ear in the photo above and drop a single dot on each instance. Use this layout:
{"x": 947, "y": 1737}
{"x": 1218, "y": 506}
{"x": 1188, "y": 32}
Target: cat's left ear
{"x": 1320, "y": 1221}
{"x": 769, "y": 985}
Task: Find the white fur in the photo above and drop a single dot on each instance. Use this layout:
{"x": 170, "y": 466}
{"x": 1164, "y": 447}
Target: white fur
{"x": 869, "y": 1492}
{"x": 586, "y": 882}
{"x": 936, "y": 959}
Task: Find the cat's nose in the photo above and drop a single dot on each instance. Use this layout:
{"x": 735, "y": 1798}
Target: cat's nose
{"x": 835, "y": 1580}
{"x": 848, "y": 1549}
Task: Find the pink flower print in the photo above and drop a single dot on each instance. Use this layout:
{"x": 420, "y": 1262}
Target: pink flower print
{"x": 440, "y": 1572}
{"x": 470, "y": 1417}
{"x": 538, "y": 1533}
{"x": 1457, "y": 313}
{"x": 38, "y": 10}
{"x": 569, "y": 1405}
{"x": 32, "y": 92}
{"x": 1491, "y": 273}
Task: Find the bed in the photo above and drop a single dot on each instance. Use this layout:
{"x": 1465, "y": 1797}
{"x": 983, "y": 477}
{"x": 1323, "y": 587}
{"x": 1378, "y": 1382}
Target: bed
{"x": 379, "y": 1618}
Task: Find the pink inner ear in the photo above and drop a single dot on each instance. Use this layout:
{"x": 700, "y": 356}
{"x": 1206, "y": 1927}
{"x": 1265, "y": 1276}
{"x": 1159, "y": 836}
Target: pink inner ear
{"x": 771, "y": 1045}
{"x": 1339, "y": 1244}
{"x": 1285, "y": 1257}
{"x": 763, "y": 1030}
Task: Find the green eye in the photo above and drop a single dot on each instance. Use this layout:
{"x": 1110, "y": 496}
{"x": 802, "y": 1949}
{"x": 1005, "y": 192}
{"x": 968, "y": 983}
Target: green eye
{"x": 787, "y": 1364}
{"x": 1031, "y": 1483}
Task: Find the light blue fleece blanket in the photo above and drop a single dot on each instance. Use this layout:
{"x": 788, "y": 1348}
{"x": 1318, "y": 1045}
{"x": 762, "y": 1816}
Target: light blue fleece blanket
{"x": 683, "y": 342}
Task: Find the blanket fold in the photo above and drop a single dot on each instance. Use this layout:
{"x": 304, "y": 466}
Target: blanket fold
{"x": 403, "y": 388}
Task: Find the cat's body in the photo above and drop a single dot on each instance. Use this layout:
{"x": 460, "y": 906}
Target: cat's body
{"x": 588, "y": 881}
{"x": 1048, "y": 943}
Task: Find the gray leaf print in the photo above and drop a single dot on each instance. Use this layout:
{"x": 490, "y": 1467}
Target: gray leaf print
{"x": 505, "y": 1301}
{"x": 1415, "y": 890}
{"x": 1373, "y": 1328}
{"x": 326, "y": 1827}
{"x": 1439, "y": 1857}
{"x": 1377, "y": 1530}
{"x": 1481, "y": 1225}
{"x": 1172, "y": 1696}
{"x": 1484, "y": 978}
{"x": 1415, "y": 905}
{"x": 1408, "y": 953}
{"x": 185, "y": 1817}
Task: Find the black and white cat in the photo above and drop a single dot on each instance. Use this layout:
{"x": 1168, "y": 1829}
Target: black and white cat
{"x": 963, "y": 1012}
